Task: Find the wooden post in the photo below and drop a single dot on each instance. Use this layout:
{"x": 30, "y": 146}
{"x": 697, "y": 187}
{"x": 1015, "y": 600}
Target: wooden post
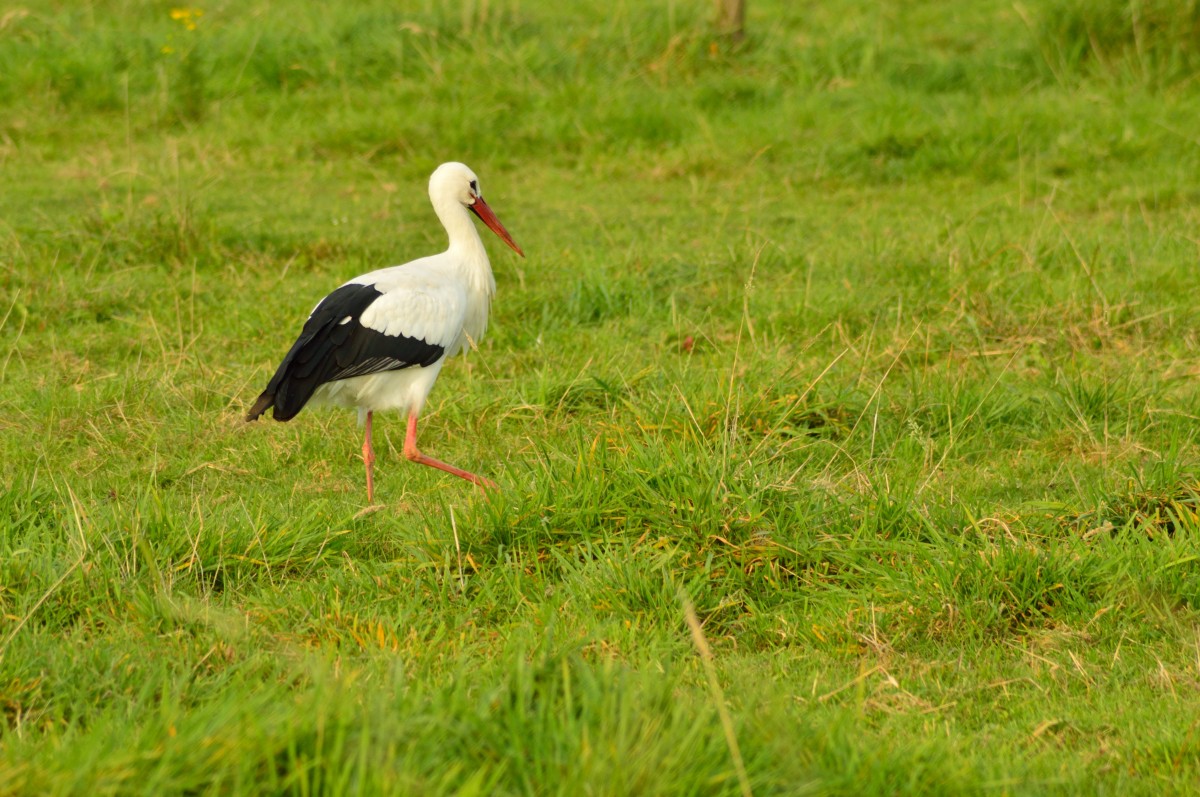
{"x": 731, "y": 19}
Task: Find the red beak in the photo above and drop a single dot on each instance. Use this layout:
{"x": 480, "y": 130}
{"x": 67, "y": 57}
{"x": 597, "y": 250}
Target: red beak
{"x": 485, "y": 214}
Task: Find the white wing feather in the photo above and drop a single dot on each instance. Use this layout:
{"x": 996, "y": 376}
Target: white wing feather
{"x": 417, "y": 302}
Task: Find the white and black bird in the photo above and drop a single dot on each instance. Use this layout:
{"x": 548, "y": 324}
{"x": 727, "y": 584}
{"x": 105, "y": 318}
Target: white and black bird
{"x": 379, "y": 341}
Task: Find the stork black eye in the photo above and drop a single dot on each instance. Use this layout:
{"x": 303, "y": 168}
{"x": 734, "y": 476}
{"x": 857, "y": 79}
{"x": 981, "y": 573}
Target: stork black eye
{"x": 475, "y": 186}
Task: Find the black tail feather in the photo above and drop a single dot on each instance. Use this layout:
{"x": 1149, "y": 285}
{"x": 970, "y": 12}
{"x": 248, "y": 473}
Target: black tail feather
{"x": 264, "y": 403}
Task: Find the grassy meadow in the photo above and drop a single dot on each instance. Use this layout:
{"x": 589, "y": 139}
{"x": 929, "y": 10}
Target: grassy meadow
{"x": 871, "y": 342}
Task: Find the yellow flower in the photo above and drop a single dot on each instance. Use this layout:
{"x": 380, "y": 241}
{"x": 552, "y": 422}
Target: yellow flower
{"x": 190, "y": 17}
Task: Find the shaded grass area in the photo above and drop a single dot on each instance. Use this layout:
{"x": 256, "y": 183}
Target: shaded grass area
{"x": 872, "y": 339}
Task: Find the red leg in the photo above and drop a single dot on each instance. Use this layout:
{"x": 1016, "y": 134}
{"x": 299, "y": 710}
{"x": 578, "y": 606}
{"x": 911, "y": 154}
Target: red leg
{"x": 411, "y": 452}
{"x": 369, "y": 461}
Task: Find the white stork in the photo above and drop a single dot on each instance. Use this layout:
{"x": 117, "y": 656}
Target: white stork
{"x": 379, "y": 341}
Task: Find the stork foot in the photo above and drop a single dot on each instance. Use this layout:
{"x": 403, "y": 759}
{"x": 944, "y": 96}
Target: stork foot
{"x": 412, "y": 454}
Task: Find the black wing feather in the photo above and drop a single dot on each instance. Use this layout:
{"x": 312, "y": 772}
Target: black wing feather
{"x": 328, "y": 350}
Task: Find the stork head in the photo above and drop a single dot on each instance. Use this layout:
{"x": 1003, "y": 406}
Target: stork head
{"x": 454, "y": 182}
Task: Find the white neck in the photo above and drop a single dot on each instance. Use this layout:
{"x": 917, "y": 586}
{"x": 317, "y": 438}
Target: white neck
{"x": 464, "y": 238}
{"x": 469, "y": 260}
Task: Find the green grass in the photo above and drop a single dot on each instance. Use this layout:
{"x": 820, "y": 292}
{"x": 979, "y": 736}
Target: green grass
{"x": 875, "y": 339}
